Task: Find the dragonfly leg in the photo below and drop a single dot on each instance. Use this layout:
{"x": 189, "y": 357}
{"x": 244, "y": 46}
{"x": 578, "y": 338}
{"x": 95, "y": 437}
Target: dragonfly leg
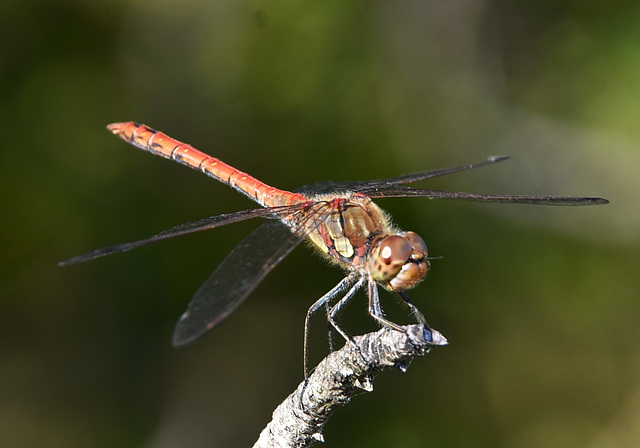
{"x": 336, "y": 309}
{"x": 330, "y": 329}
{"x": 323, "y": 301}
{"x": 375, "y": 310}
{"x": 338, "y": 306}
{"x": 414, "y": 309}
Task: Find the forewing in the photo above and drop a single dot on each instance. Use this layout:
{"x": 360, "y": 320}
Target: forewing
{"x": 235, "y": 278}
{"x": 390, "y": 182}
{"x": 423, "y": 175}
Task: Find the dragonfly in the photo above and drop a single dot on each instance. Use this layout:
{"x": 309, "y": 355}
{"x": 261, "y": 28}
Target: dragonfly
{"x": 339, "y": 219}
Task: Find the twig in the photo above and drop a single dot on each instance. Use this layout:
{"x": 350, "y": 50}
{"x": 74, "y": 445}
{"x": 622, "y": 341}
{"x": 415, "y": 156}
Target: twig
{"x": 298, "y": 421}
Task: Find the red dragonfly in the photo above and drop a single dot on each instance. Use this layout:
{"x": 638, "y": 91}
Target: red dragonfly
{"x": 339, "y": 218}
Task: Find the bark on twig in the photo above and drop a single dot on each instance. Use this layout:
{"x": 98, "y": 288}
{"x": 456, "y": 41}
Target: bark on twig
{"x": 298, "y": 421}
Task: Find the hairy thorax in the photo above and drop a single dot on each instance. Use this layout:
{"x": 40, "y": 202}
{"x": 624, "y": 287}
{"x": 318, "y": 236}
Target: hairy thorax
{"x": 353, "y": 231}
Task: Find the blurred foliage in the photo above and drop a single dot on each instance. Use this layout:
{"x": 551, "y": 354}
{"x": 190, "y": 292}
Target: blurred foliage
{"x": 540, "y": 304}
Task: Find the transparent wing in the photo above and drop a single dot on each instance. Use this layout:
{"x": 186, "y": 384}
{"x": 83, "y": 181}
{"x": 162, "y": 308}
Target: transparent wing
{"x": 415, "y": 177}
{"x": 363, "y": 186}
{"x": 405, "y": 192}
{"x": 235, "y": 278}
{"x": 183, "y": 229}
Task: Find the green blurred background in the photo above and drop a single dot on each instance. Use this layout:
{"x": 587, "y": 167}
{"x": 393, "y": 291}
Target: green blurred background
{"x": 540, "y": 304}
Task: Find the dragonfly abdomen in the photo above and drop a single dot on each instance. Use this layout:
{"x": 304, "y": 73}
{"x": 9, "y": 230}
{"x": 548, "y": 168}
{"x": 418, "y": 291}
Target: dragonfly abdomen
{"x": 159, "y": 143}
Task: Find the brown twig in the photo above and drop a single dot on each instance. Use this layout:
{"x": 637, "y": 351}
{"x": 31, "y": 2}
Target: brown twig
{"x": 298, "y": 421}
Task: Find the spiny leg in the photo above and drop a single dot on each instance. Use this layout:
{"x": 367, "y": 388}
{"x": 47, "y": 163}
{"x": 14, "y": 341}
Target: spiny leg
{"x": 336, "y": 309}
{"x": 414, "y": 309}
{"x": 330, "y": 328}
{"x": 323, "y": 301}
{"x": 374, "y": 307}
{"x": 338, "y": 306}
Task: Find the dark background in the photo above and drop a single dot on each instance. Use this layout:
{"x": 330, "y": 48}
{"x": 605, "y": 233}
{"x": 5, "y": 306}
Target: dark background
{"x": 540, "y": 304}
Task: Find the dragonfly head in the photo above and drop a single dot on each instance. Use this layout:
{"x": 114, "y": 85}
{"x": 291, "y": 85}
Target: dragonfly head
{"x": 400, "y": 261}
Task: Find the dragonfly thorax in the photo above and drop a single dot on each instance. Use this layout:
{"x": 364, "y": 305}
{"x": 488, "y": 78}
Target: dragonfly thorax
{"x": 344, "y": 228}
{"x": 399, "y": 262}
{"x": 356, "y": 233}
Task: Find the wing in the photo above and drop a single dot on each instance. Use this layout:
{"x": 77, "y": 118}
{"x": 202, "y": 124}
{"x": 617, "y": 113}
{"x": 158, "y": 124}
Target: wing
{"x": 406, "y": 192}
{"x": 184, "y": 229}
{"x": 415, "y": 177}
{"x": 234, "y": 279}
{"x": 363, "y": 186}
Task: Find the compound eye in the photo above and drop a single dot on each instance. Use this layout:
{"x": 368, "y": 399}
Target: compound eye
{"x": 392, "y": 254}
{"x": 418, "y": 244}
{"x": 395, "y": 250}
